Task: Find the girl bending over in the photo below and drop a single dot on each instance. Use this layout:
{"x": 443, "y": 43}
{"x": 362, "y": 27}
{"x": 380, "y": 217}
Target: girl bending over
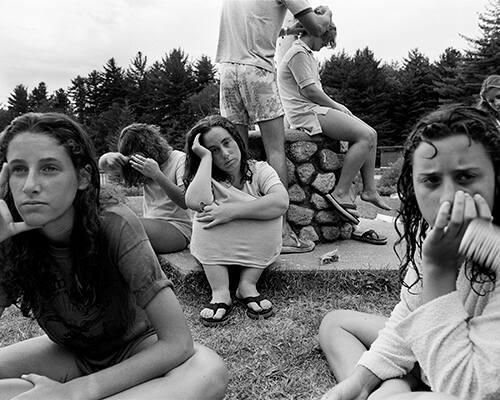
{"x": 145, "y": 158}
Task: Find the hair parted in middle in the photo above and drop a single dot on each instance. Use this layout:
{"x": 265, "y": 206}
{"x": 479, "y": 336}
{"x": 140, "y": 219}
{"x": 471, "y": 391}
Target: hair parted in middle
{"x": 193, "y": 161}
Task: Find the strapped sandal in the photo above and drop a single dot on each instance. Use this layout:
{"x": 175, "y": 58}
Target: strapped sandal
{"x": 370, "y": 236}
{"x": 251, "y": 313}
{"x": 214, "y": 307}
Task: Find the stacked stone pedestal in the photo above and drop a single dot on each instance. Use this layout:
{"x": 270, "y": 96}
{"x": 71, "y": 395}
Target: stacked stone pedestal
{"x": 313, "y": 164}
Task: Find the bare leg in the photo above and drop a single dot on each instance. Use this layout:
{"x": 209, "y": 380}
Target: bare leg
{"x": 218, "y": 278}
{"x": 359, "y": 157}
{"x": 243, "y": 131}
{"x": 273, "y": 137}
{"x": 39, "y": 356}
{"x": 420, "y": 396}
{"x": 344, "y": 335}
{"x": 202, "y": 377}
{"x": 247, "y": 287}
{"x": 164, "y": 237}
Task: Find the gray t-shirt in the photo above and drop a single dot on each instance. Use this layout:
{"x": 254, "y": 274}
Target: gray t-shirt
{"x": 132, "y": 278}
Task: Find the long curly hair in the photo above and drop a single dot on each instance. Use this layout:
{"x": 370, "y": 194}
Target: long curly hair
{"x": 193, "y": 161}
{"x": 144, "y": 139}
{"x": 443, "y": 123}
{"x": 26, "y": 263}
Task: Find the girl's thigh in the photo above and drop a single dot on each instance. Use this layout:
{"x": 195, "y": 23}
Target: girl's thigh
{"x": 40, "y": 356}
{"x": 338, "y": 125}
{"x": 364, "y": 326}
{"x": 163, "y": 235}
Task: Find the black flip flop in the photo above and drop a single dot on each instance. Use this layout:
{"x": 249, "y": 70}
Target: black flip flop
{"x": 342, "y": 209}
{"x": 214, "y": 307}
{"x": 370, "y": 236}
{"x": 251, "y": 313}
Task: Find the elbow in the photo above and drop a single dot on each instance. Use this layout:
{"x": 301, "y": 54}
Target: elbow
{"x": 283, "y": 205}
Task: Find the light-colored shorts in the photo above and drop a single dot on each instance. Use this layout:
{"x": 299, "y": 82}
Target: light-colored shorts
{"x": 248, "y": 94}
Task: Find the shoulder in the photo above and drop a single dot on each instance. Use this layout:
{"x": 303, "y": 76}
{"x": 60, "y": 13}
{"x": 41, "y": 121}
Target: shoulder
{"x": 117, "y": 219}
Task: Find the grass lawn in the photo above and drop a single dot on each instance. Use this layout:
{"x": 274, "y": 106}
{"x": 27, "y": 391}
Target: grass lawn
{"x": 278, "y": 358}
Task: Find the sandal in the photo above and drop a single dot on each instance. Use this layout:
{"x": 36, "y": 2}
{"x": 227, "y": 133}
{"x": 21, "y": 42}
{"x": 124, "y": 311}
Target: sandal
{"x": 214, "y": 307}
{"x": 369, "y": 236}
{"x": 343, "y": 208}
{"x": 251, "y": 313}
{"x": 300, "y": 246}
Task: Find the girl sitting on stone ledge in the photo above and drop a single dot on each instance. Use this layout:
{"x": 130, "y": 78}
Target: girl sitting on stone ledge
{"x": 309, "y": 108}
{"x": 239, "y": 205}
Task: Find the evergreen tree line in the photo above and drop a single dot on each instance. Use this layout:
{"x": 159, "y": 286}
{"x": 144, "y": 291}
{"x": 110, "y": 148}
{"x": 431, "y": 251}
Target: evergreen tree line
{"x": 174, "y": 93}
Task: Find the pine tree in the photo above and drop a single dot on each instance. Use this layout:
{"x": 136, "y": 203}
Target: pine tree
{"x": 78, "y": 93}
{"x": 479, "y": 61}
{"x": 18, "y": 101}
{"x": 38, "y": 100}
{"x": 59, "y": 102}
{"x": 448, "y": 72}
{"x": 139, "y": 87}
{"x": 204, "y": 72}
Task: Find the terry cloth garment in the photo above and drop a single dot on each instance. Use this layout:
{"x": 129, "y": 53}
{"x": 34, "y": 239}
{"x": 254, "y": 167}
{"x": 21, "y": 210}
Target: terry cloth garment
{"x": 454, "y": 338}
{"x": 243, "y": 242}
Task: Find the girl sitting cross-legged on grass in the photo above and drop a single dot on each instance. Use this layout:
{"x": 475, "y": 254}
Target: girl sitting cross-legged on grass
{"x": 239, "y": 204}
{"x": 442, "y": 339}
{"x": 145, "y": 158}
{"x": 87, "y": 273}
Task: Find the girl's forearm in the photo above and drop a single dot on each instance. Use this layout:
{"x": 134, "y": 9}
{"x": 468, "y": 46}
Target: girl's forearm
{"x": 272, "y": 205}
{"x": 200, "y": 189}
{"x": 437, "y": 281}
{"x": 317, "y": 96}
{"x": 150, "y": 363}
{"x": 174, "y": 192}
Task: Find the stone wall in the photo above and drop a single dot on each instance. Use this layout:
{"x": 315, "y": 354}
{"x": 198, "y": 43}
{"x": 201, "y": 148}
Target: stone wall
{"x": 313, "y": 164}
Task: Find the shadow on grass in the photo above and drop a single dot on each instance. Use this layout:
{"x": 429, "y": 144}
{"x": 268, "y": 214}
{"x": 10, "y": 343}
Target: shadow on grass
{"x": 280, "y": 358}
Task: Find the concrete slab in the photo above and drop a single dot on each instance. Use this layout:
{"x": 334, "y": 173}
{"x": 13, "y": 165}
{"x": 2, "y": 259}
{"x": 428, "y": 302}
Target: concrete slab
{"x": 352, "y": 255}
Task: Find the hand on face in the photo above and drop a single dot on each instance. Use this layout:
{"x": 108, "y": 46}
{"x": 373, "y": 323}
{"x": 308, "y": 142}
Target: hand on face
{"x": 441, "y": 244}
{"x": 198, "y": 149}
{"x": 8, "y": 227}
{"x": 146, "y": 166}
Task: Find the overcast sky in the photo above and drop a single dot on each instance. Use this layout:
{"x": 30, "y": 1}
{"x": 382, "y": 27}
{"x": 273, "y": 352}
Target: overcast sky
{"x": 55, "y": 40}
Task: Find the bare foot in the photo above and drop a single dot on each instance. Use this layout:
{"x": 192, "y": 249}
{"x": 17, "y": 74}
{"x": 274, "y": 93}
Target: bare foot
{"x": 375, "y": 199}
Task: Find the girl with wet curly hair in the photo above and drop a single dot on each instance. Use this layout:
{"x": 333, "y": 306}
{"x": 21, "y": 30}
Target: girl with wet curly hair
{"x": 439, "y": 339}
{"x": 88, "y": 275}
{"x": 239, "y": 205}
{"x": 145, "y": 158}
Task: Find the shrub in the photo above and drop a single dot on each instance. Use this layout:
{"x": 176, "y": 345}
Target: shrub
{"x": 389, "y": 178}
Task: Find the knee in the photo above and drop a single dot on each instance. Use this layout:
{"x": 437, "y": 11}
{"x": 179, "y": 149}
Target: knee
{"x": 331, "y": 322}
{"x": 369, "y": 136}
{"x": 211, "y": 369}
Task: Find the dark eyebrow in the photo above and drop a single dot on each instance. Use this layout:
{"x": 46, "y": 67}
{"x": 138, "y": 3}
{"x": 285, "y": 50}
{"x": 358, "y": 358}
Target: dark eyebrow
{"x": 47, "y": 159}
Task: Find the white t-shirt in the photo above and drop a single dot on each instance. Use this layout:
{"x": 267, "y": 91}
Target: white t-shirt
{"x": 249, "y": 29}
